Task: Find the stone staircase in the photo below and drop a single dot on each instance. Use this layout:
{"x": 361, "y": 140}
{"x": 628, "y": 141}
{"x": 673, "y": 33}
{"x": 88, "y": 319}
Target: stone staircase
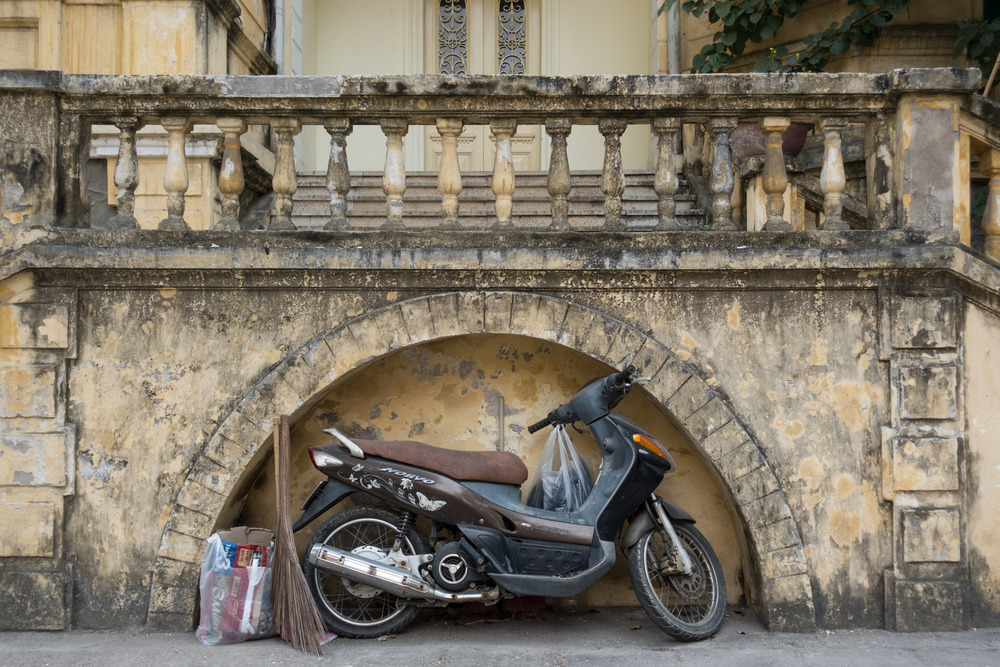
{"x": 422, "y": 201}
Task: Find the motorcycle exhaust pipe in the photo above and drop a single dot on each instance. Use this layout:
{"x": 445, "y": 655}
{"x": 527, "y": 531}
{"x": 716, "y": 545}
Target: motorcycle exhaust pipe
{"x": 389, "y": 579}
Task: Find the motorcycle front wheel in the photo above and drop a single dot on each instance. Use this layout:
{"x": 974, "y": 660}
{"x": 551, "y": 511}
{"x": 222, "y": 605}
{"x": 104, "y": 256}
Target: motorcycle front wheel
{"x": 356, "y": 610}
{"x": 687, "y": 607}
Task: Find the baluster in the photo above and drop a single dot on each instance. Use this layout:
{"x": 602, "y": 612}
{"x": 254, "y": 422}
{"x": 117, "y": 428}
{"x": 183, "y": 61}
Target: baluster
{"x": 449, "y": 173}
{"x": 832, "y": 179}
{"x": 560, "y": 182}
{"x": 613, "y": 179}
{"x": 722, "y": 174}
{"x": 665, "y": 181}
{"x": 394, "y": 176}
{"x": 989, "y": 163}
{"x": 175, "y": 174}
{"x": 126, "y": 174}
{"x": 775, "y": 180}
{"x": 338, "y": 175}
{"x": 503, "y": 171}
{"x": 284, "y": 182}
{"x": 231, "y": 172}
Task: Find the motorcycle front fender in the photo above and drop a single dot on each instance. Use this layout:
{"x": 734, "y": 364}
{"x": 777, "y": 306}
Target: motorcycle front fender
{"x": 325, "y": 496}
{"x": 642, "y": 522}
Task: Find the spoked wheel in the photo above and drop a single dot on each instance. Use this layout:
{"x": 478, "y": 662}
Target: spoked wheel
{"x": 357, "y": 610}
{"x": 686, "y": 607}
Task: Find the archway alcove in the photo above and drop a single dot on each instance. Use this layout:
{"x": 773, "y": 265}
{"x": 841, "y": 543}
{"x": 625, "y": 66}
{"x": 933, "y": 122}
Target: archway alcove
{"x": 463, "y": 393}
{"x": 220, "y": 483}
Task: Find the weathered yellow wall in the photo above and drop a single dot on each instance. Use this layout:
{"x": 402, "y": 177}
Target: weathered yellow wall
{"x": 448, "y": 394}
{"x": 800, "y": 367}
{"x": 803, "y": 368}
{"x": 113, "y": 37}
{"x": 30, "y": 34}
{"x": 982, "y": 368}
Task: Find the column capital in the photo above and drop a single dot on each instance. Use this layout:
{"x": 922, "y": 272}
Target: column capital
{"x": 394, "y": 126}
{"x": 724, "y": 124}
{"x": 503, "y": 126}
{"x": 559, "y": 127}
{"x": 176, "y": 123}
{"x": 833, "y": 124}
{"x": 772, "y": 124}
{"x": 230, "y": 125}
{"x": 665, "y": 124}
{"x": 340, "y": 126}
{"x": 290, "y": 125}
{"x": 612, "y": 126}
{"x": 449, "y": 126}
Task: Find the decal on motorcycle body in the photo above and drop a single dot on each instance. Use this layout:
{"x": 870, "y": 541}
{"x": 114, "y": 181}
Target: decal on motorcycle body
{"x": 399, "y": 483}
{"x": 406, "y": 475}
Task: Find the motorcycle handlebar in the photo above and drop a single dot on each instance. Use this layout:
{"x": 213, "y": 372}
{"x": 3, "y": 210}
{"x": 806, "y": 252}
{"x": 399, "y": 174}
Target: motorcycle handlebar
{"x": 621, "y": 378}
{"x": 616, "y": 382}
{"x": 539, "y": 425}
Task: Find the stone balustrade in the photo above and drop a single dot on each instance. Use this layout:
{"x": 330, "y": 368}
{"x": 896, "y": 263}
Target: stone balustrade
{"x": 918, "y": 162}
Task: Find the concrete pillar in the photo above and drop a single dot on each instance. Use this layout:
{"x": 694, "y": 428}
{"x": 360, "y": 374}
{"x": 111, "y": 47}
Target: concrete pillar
{"x": 928, "y": 166}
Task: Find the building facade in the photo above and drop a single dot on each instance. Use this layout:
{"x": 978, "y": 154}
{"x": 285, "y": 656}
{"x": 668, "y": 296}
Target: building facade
{"x": 818, "y": 327}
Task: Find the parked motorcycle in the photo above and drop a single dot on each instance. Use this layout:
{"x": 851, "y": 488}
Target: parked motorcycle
{"x": 370, "y": 568}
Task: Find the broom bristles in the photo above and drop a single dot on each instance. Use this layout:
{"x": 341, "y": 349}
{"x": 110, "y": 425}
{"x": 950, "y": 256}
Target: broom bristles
{"x": 295, "y": 615}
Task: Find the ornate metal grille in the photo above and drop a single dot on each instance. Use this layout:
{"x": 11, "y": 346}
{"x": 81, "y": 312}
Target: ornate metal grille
{"x": 453, "y": 38}
{"x": 512, "y": 40}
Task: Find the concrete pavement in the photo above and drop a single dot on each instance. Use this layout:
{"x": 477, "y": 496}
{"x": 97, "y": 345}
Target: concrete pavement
{"x": 598, "y": 637}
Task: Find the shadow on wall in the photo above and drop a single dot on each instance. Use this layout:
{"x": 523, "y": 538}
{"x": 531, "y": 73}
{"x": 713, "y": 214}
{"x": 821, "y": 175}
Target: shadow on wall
{"x": 448, "y": 393}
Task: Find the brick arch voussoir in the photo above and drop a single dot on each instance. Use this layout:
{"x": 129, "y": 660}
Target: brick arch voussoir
{"x": 784, "y": 593}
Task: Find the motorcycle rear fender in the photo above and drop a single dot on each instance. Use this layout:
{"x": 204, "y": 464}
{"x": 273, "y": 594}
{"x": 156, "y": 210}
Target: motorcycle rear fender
{"x": 642, "y": 522}
{"x": 326, "y": 495}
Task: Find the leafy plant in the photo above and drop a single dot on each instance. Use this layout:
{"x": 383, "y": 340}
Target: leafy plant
{"x": 745, "y": 21}
{"x": 981, "y": 43}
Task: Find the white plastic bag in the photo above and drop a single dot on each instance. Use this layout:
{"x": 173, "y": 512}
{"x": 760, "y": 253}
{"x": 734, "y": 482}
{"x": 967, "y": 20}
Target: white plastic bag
{"x": 236, "y": 587}
{"x": 562, "y": 481}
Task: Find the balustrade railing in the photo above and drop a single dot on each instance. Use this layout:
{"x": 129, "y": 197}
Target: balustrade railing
{"x": 900, "y": 133}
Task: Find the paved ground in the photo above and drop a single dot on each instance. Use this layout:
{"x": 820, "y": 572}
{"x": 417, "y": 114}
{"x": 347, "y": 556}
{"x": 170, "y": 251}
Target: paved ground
{"x": 608, "y": 636}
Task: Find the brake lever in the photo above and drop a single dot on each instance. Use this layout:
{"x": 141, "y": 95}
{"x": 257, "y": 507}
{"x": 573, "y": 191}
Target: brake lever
{"x": 638, "y": 380}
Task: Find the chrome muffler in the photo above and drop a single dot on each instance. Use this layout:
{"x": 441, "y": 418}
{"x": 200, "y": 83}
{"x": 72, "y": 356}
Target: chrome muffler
{"x": 393, "y": 580}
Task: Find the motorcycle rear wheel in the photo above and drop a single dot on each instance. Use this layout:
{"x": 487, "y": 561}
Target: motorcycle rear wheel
{"x": 356, "y": 610}
{"x": 687, "y": 607}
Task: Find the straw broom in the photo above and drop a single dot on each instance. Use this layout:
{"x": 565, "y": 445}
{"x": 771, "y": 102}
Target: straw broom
{"x": 295, "y": 615}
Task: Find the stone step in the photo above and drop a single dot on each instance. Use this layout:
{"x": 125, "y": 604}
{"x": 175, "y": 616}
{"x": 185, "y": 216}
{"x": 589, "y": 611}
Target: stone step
{"x": 477, "y": 179}
{"x": 692, "y": 220}
{"x": 531, "y": 207}
{"x": 478, "y": 207}
{"x": 471, "y": 193}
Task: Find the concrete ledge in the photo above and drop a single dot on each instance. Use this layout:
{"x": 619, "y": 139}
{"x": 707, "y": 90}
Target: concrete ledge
{"x": 209, "y": 257}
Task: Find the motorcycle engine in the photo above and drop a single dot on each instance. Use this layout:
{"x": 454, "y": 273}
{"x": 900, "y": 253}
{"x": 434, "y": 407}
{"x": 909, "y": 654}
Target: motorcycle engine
{"x": 453, "y": 569}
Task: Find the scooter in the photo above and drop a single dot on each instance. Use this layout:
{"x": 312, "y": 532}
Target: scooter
{"x": 370, "y": 568}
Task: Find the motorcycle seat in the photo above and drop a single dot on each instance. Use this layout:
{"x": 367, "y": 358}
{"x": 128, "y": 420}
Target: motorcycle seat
{"x": 498, "y": 467}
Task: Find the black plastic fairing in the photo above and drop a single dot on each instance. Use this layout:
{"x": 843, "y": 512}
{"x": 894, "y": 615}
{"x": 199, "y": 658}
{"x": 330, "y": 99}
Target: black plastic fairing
{"x": 326, "y": 495}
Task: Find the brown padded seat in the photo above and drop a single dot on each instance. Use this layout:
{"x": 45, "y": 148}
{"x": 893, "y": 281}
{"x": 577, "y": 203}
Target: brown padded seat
{"x": 498, "y": 467}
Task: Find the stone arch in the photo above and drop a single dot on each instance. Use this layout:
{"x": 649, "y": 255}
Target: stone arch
{"x": 783, "y": 594}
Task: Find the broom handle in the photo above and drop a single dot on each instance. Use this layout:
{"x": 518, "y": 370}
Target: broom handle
{"x": 989, "y": 83}
{"x": 277, "y": 469}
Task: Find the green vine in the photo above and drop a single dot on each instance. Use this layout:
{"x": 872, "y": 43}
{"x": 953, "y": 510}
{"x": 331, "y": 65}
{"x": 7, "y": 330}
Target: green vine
{"x": 981, "y": 43}
{"x": 746, "y": 21}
